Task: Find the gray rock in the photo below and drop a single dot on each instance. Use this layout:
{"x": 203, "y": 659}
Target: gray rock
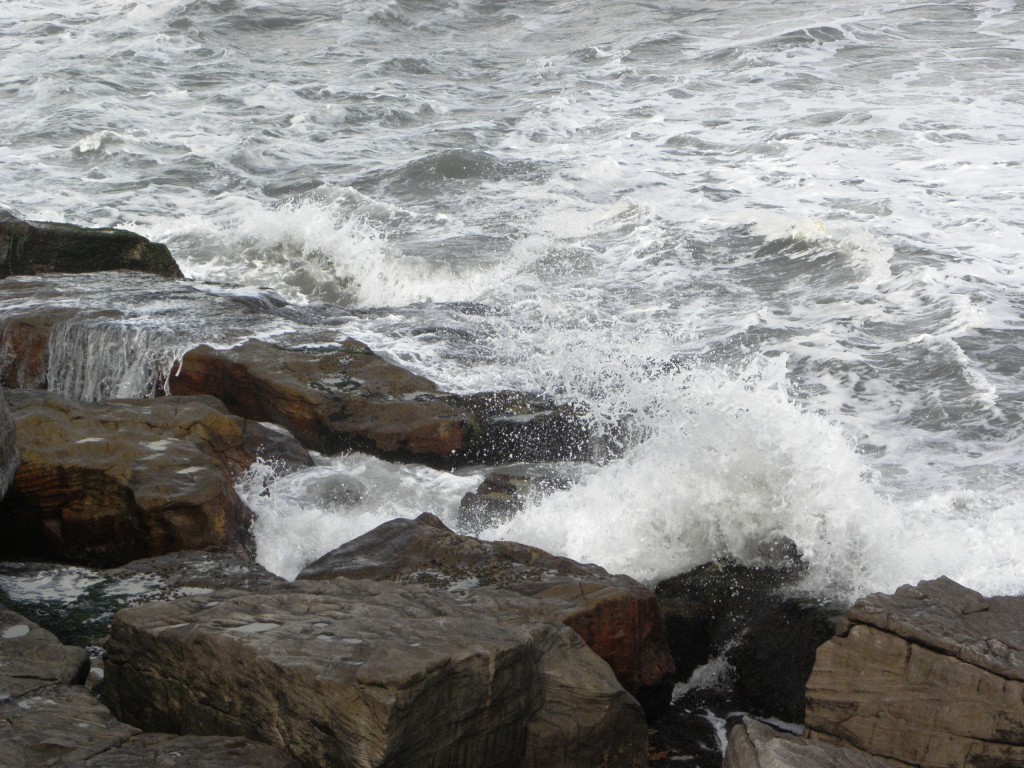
{"x": 38, "y": 247}
{"x": 755, "y": 745}
{"x": 105, "y": 483}
{"x": 9, "y": 458}
{"x": 357, "y": 673}
{"x": 32, "y": 658}
{"x": 163, "y": 750}
{"x": 930, "y": 676}
{"x": 617, "y": 617}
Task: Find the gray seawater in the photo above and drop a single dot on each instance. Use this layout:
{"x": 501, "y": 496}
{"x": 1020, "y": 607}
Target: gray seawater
{"x": 784, "y": 237}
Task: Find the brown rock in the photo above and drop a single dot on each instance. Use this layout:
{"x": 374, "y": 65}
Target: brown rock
{"x": 9, "y": 457}
{"x": 357, "y": 673}
{"x": 754, "y": 745}
{"x": 105, "y": 483}
{"x": 37, "y": 247}
{"x": 930, "y": 676}
{"x": 32, "y": 658}
{"x": 164, "y": 750}
{"x": 348, "y": 398}
{"x": 617, "y": 617}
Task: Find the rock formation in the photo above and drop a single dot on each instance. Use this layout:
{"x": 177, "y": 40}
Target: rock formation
{"x": 358, "y": 673}
{"x": 37, "y": 247}
{"x": 617, "y": 617}
{"x": 105, "y": 483}
{"x": 9, "y": 458}
{"x": 755, "y": 745}
{"x": 930, "y": 676}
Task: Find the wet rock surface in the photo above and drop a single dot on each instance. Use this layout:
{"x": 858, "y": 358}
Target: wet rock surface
{"x": 37, "y": 247}
{"x": 106, "y": 483}
{"x": 358, "y": 673}
{"x": 616, "y": 616}
{"x": 931, "y": 676}
{"x": 753, "y": 744}
{"x": 32, "y": 658}
{"x": 502, "y": 495}
{"x": 9, "y": 457}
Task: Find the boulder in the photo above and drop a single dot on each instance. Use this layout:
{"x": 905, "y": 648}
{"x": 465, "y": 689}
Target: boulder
{"x": 930, "y": 676}
{"x": 77, "y": 604}
{"x": 753, "y": 744}
{"x": 348, "y": 398}
{"x": 502, "y": 495}
{"x": 105, "y": 483}
{"x": 32, "y": 658}
{"x": 617, "y": 617}
{"x": 37, "y": 247}
{"x": 9, "y": 458}
{"x": 359, "y": 673}
{"x": 164, "y": 750}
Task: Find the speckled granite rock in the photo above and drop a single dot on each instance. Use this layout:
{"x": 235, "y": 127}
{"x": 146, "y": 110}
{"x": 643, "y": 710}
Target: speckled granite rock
{"x": 755, "y": 745}
{"x": 931, "y": 676}
{"x": 616, "y": 616}
{"x": 358, "y": 673}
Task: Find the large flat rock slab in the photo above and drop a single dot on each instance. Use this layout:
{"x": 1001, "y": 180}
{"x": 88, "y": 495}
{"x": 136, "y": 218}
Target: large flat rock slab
{"x": 930, "y": 676}
{"x": 617, "y": 617}
{"x": 106, "y": 483}
{"x": 358, "y": 673}
{"x": 753, "y": 744}
{"x": 32, "y": 658}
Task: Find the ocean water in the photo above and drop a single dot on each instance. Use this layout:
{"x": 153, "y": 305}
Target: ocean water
{"x": 783, "y": 238}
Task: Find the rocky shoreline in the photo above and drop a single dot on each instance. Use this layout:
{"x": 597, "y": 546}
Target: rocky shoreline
{"x": 411, "y": 645}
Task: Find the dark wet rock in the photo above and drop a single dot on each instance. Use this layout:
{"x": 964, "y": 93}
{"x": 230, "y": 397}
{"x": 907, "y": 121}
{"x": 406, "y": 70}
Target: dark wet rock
{"x": 32, "y": 658}
{"x": 9, "y": 458}
{"x": 753, "y": 744}
{"x": 77, "y": 604}
{"x": 24, "y": 341}
{"x": 359, "y": 673}
{"x": 932, "y": 675}
{"x": 164, "y": 750}
{"x": 682, "y": 737}
{"x": 37, "y": 247}
{"x": 502, "y": 495}
{"x": 105, "y": 483}
{"x": 349, "y": 398}
{"x": 616, "y": 616}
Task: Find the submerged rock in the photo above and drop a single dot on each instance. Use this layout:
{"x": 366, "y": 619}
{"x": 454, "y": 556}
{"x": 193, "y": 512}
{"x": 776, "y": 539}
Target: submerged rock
{"x": 358, "y": 673}
{"x": 349, "y": 398}
{"x": 38, "y": 247}
{"x": 9, "y": 458}
{"x": 930, "y": 676}
{"x": 105, "y": 483}
{"x": 755, "y": 745}
{"x": 617, "y": 617}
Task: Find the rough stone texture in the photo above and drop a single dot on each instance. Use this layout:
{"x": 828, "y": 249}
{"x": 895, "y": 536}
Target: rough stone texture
{"x": 616, "y": 616}
{"x": 32, "y": 658}
{"x": 358, "y": 673}
{"x": 348, "y": 398}
{"x": 755, "y": 745}
{"x": 77, "y": 604}
{"x": 37, "y": 247}
{"x": 502, "y": 495}
{"x": 105, "y": 483}
{"x": 9, "y": 458}
{"x": 930, "y": 676}
{"x": 163, "y": 750}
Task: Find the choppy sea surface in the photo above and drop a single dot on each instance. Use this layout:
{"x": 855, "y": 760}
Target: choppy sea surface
{"x": 784, "y": 238}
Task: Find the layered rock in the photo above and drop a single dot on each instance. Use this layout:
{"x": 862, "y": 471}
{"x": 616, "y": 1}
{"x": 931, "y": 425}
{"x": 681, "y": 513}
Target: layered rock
{"x": 617, "y": 617}
{"x": 37, "y": 247}
{"x": 755, "y": 745}
{"x": 931, "y": 676}
{"x": 32, "y": 658}
{"x": 105, "y": 483}
{"x": 9, "y": 458}
{"x": 348, "y": 398}
{"x": 358, "y": 673}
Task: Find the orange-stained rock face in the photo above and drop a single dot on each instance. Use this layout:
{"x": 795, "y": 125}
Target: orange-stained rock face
{"x": 105, "y": 483}
{"x": 617, "y": 617}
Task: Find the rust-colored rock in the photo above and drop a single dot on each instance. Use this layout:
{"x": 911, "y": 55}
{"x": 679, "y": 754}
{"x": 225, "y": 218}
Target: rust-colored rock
{"x": 617, "y": 617}
{"x": 38, "y": 247}
{"x": 931, "y": 676}
{"x": 348, "y": 398}
{"x": 105, "y": 483}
